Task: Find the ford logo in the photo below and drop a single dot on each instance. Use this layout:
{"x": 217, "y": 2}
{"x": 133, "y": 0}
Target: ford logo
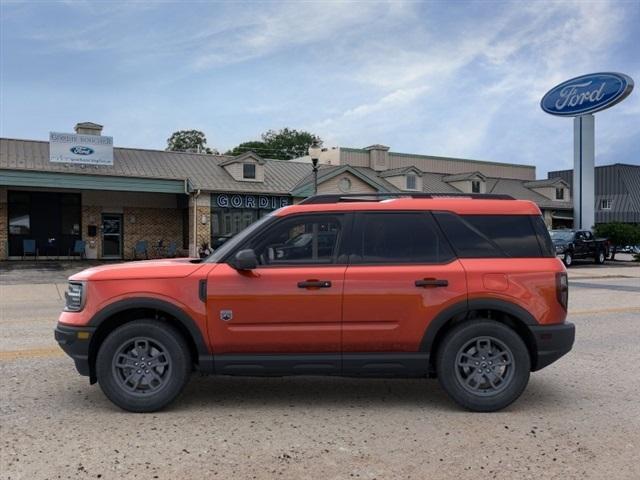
{"x": 587, "y": 94}
{"x": 78, "y": 150}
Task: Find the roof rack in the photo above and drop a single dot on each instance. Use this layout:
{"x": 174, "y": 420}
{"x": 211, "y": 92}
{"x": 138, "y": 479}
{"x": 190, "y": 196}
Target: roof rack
{"x": 377, "y": 197}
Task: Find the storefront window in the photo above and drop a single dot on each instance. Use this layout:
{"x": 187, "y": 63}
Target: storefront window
{"x": 232, "y": 213}
{"x": 19, "y": 217}
{"x": 70, "y": 214}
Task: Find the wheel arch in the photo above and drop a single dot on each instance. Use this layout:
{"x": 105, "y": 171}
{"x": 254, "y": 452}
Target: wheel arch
{"x": 130, "y": 309}
{"x": 502, "y": 311}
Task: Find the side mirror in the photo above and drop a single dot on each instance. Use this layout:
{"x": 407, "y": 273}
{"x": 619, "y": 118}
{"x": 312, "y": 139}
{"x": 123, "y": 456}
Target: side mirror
{"x": 245, "y": 260}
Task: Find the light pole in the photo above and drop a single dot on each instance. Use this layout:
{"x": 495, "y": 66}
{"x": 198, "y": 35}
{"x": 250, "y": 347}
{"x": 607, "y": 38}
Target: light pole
{"x": 314, "y": 153}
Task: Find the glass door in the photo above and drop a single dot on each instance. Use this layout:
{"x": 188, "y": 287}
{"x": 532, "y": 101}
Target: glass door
{"x": 111, "y": 235}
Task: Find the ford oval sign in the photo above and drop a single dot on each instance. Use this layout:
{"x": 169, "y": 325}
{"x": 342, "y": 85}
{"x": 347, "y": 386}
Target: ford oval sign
{"x": 587, "y": 94}
{"x": 78, "y": 150}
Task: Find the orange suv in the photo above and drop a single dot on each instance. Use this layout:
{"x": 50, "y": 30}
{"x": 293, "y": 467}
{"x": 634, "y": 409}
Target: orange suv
{"x": 465, "y": 288}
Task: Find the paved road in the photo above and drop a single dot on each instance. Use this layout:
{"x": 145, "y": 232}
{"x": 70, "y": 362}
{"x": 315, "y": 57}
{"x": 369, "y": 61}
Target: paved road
{"x": 579, "y": 418}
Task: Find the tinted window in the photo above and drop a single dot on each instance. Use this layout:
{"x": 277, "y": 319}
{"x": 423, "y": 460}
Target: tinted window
{"x": 467, "y": 240}
{"x": 481, "y": 236}
{"x": 400, "y": 238}
{"x": 249, "y": 170}
{"x": 306, "y": 240}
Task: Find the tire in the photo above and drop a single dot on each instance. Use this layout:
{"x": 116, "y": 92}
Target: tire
{"x": 568, "y": 260}
{"x": 475, "y": 391}
{"x": 166, "y": 365}
{"x": 600, "y": 257}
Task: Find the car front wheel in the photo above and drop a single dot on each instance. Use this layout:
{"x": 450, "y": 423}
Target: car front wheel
{"x": 483, "y": 365}
{"x": 143, "y": 365}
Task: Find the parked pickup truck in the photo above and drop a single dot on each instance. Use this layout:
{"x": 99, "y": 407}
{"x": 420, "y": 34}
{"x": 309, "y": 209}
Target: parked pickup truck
{"x": 579, "y": 244}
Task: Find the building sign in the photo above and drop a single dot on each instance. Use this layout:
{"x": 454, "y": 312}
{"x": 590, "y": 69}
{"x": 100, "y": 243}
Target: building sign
{"x": 80, "y": 149}
{"x": 237, "y": 200}
{"x": 587, "y": 94}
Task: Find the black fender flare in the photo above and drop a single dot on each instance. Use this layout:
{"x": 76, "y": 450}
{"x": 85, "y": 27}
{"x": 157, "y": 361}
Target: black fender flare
{"x": 155, "y": 304}
{"x": 464, "y": 307}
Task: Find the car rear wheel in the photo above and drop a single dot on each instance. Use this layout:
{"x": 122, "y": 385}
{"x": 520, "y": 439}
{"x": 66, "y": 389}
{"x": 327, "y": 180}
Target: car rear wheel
{"x": 483, "y": 365}
{"x": 143, "y": 365}
{"x": 568, "y": 260}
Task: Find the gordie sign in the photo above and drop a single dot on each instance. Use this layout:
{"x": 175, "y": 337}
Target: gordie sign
{"x": 587, "y": 94}
{"x": 239, "y": 200}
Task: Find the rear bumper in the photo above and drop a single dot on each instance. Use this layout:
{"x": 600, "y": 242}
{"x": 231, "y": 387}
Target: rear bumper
{"x": 552, "y": 342}
{"x": 75, "y": 343}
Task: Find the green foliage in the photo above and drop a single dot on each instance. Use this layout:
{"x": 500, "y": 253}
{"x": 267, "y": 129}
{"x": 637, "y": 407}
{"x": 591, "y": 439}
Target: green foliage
{"x": 256, "y": 146}
{"x": 188, "y": 141}
{"x": 283, "y": 144}
{"x": 619, "y": 234}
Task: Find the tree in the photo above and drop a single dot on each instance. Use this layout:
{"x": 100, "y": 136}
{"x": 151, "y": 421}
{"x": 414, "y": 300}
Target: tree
{"x": 188, "y": 141}
{"x": 255, "y": 146}
{"x": 283, "y": 144}
{"x": 619, "y": 234}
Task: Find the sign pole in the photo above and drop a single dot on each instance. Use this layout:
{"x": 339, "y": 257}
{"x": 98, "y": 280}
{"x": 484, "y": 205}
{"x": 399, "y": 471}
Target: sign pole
{"x": 584, "y": 172}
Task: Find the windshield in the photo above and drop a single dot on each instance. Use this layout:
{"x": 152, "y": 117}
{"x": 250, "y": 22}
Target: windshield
{"x": 230, "y": 244}
{"x": 566, "y": 236}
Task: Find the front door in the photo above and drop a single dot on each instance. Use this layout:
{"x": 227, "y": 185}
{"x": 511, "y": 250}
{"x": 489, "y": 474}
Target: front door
{"x": 111, "y": 235}
{"x": 291, "y": 303}
{"x": 401, "y": 274}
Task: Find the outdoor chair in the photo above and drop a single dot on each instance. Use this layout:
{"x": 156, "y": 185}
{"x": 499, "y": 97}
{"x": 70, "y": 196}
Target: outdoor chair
{"x": 172, "y": 249}
{"x": 29, "y": 248}
{"x": 78, "y": 249}
{"x": 141, "y": 248}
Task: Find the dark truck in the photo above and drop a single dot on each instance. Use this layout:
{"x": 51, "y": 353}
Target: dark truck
{"x": 571, "y": 245}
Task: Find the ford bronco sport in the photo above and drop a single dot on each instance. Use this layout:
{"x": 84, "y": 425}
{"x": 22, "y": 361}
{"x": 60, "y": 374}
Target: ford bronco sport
{"x": 467, "y": 289}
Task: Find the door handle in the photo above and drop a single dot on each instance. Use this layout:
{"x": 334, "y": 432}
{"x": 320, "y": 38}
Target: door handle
{"x": 314, "y": 284}
{"x": 432, "y": 282}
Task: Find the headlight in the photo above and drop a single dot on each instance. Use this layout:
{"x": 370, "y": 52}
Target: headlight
{"x": 74, "y": 297}
{"x": 559, "y": 248}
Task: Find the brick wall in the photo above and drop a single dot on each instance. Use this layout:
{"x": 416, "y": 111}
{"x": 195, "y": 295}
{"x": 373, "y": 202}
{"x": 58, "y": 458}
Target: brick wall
{"x": 203, "y": 230}
{"x": 152, "y": 225}
{"x": 91, "y": 215}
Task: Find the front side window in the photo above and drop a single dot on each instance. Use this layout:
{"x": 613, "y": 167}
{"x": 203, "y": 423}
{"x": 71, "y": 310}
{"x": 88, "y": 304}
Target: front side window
{"x": 249, "y": 170}
{"x": 296, "y": 241}
{"x": 559, "y": 193}
{"x": 399, "y": 237}
{"x": 411, "y": 182}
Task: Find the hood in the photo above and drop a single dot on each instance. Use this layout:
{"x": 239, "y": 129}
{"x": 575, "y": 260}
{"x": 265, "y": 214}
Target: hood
{"x": 166, "y": 268}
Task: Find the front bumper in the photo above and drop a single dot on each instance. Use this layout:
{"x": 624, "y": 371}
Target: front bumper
{"x": 552, "y": 342}
{"x": 75, "y": 342}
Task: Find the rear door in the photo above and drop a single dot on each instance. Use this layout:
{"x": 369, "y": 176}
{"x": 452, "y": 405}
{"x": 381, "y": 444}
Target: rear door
{"x": 402, "y": 273}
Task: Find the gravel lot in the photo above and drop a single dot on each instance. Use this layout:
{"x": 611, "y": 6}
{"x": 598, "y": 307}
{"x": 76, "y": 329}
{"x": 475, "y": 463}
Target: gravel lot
{"x": 579, "y": 418}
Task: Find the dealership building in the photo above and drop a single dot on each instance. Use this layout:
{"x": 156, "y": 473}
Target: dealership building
{"x": 78, "y": 191}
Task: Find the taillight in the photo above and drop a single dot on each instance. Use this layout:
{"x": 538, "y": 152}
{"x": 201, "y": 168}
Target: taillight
{"x": 562, "y": 289}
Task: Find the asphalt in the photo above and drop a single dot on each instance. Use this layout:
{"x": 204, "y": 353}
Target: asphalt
{"x": 578, "y": 419}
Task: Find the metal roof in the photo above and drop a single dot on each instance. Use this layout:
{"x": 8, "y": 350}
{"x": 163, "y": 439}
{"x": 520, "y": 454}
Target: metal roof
{"x": 206, "y": 172}
{"x": 202, "y": 170}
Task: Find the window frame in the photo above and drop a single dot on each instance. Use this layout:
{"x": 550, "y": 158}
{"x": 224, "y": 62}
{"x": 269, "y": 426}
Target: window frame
{"x": 414, "y": 178}
{"x": 358, "y": 224}
{"x": 244, "y": 171}
{"x": 473, "y": 184}
{"x": 559, "y": 193}
{"x": 340, "y": 257}
{"x": 609, "y": 204}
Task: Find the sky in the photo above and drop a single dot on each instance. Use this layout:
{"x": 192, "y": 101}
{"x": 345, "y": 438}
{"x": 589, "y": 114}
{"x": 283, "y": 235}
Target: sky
{"x": 449, "y": 78}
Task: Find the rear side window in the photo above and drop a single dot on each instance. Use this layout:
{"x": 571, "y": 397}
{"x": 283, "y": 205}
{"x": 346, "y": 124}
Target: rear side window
{"x": 489, "y": 236}
{"x": 399, "y": 237}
